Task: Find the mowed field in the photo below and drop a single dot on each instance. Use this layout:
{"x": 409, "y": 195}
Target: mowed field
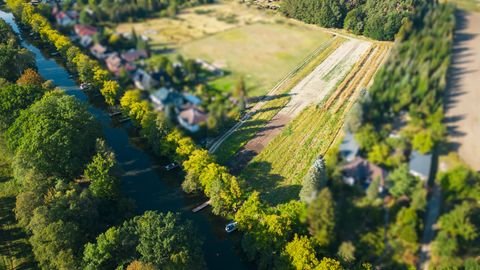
{"x": 263, "y": 53}
{"x": 278, "y": 170}
{"x": 256, "y": 45}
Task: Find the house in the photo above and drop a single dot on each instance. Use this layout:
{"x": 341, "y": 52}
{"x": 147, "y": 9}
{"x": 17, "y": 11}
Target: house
{"x": 420, "y": 165}
{"x": 98, "y": 51}
{"x": 191, "y": 117}
{"x": 194, "y": 100}
{"x": 349, "y": 147}
{"x": 166, "y": 97}
{"x": 84, "y": 30}
{"x": 85, "y": 41}
{"x": 133, "y": 55}
{"x": 143, "y": 80}
{"x": 65, "y": 18}
{"x": 360, "y": 170}
{"x": 114, "y": 63}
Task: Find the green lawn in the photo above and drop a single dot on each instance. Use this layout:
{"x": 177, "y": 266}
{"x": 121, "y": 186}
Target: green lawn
{"x": 15, "y": 250}
{"x": 263, "y": 53}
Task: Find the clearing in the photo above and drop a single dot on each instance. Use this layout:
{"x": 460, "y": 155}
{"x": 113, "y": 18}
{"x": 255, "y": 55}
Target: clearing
{"x": 260, "y": 46}
{"x": 471, "y": 5}
{"x": 277, "y": 171}
{"x": 463, "y": 97}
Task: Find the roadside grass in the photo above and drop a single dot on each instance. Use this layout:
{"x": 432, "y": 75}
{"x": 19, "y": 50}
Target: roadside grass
{"x": 263, "y": 53}
{"x": 275, "y": 103}
{"x": 15, "y": 250}
{"x": 469, "y": 5}
{"x": 278, "y": 170}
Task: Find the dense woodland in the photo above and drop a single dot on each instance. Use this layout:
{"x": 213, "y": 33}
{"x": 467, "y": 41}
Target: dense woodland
{"x": 379, "y": 20}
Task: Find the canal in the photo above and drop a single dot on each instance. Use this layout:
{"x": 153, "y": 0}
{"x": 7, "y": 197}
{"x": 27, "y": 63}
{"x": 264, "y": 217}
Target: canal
{"x": 143, "y": 177}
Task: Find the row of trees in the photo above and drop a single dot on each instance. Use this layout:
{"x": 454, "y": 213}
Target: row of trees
{"x": 379, "y": 20}
{"x": 70, "y": 187}
{"x": 408, "y": 91}
{"x": 93, "y": 11}
{"x": 457, "y": 241}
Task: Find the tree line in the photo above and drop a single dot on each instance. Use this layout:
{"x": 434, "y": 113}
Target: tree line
{"x": 69, "y": 182}
{"x": 379, "y": 20}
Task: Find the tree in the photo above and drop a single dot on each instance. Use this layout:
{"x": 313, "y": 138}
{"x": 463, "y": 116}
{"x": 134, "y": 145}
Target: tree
{"x": 403, "y": 183}
{"x": 30, "y": 77}
{"x": 15, "y": 98}
{"x": 55, "y": 136}
{"x": 138, "y": 265}
{"x": 110, "y": 91}
{"x": 301, "y": 253}
{"x": 314, "y": 181}
{"x": 321, "y": 218}
{"x": 329, "y": 264}
{"x": 99, "y": 171}
{"x": 167, "y": 242}
{"x": 346, "y": 251}
{"x": 240, "y": 93}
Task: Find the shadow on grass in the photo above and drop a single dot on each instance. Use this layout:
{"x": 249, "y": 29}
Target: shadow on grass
{"x": 13, "y": 240}
{"x": 259, "y": 177}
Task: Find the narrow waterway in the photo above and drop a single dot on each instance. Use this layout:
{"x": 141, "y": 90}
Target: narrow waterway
{"x": 144, "y": 179}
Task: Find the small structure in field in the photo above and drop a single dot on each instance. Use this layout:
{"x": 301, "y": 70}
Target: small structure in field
{"x": 420, "y": 165}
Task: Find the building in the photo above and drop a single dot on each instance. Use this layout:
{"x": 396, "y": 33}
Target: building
{"x": 98, "y": 51}
{"x": 164, "y": 97}
{"x": 114, "y": 63}
{"x": 191, "y": 117}
{"x": 420, "y": 165}
{"x": 363, "y": 172}
{"x": 143, "y": 80}
{"x": 349, "y": 147}
{"x": 66, "y": 19}
{"x": 134, "y": 55}
{"x": 84, "y": 30}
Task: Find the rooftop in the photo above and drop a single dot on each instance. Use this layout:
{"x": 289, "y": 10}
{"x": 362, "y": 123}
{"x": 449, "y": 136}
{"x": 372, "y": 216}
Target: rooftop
{"x": 349, "y": 147}
{"x": 420, "y": 164}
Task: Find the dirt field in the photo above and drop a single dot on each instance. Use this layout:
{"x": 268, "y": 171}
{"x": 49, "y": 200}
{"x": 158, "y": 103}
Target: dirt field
{"x": 463, "y": 99}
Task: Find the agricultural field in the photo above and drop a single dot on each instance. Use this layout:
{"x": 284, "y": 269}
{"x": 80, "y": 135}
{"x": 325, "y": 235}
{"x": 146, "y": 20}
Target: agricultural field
{"x": 277, "y": 171}
{"x": 259, "y": 46}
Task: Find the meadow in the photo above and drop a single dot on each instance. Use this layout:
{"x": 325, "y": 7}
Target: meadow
{"x": 245, "y": 42}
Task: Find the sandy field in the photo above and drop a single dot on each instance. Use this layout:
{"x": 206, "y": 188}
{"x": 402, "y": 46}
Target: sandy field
{"x": 463, "y": 95}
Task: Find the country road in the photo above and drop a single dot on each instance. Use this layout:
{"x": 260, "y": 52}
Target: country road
{"x": 433, "y": 211}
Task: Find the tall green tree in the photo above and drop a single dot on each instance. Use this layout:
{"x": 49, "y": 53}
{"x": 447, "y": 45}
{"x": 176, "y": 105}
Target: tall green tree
{"x": 321, "y": 218}
{"x": 314, "y": 181}
{"x": 100, "y": 171}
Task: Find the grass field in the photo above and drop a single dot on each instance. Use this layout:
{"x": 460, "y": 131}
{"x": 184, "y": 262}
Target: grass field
{"x": 15, "y": 250}
{"x": 262, "y": 53}
{"x": 260, "y": 46}
{"x": 278, "y": 170}
{"x": 273, "y": 106}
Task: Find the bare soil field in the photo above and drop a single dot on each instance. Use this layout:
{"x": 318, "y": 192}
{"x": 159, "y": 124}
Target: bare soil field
{"x": 463, "y": 94}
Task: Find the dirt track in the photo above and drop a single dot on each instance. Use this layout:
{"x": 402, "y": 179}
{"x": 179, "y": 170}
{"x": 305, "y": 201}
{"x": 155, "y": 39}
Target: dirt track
{"x": 463, "y": 95}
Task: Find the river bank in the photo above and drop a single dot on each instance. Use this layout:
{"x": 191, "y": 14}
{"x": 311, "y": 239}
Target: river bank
{"x": 143, "y": 178}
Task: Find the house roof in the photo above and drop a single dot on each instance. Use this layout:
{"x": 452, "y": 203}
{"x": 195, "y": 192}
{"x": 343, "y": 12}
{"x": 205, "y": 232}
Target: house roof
{"x": 349, "y": 147}
{"x": 85, "y": 30}
{"x": 192, "y": 99}
{"x": 98, "y": 48}
{"x": 361, "y": 169}
{"x": 167, "y": 96}
{"x": 193, "y": 116}
{"x": 133, "y": 55}
{"x": 420, "y": 164}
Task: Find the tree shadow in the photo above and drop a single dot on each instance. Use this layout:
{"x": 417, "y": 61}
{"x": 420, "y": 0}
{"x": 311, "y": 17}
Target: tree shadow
{"x": 267, "y": 97}
{"x": 461, "y": 56}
